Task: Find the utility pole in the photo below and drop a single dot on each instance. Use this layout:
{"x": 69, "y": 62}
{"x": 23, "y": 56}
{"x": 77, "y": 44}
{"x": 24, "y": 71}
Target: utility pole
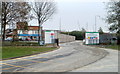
{"x": 95, "y": 23}
{"x": 86, "y": 26}
{"x": 60, "y": 24}
{"x": 78, "y": 25}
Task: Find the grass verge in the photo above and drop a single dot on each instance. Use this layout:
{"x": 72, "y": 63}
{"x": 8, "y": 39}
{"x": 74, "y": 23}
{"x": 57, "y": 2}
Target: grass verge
{"x": 19, "y": 51}
{"x": 116, "y": 47}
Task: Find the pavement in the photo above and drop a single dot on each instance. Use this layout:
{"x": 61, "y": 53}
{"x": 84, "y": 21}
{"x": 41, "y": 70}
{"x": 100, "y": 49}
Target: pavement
{"x": 70, "y": 57}
{"x": 107, "y": 64}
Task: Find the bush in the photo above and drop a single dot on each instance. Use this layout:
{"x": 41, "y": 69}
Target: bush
{"x": 78, "y": 35}
{"x": 10, "y": 43}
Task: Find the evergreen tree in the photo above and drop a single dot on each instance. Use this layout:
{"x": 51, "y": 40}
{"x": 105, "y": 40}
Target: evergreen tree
{"x": 113, "y": 17}
{"x": 100, "y": 30}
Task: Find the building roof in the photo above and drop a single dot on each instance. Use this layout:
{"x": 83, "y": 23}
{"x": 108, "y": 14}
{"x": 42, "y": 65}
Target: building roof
{"x": 33, "y": 27}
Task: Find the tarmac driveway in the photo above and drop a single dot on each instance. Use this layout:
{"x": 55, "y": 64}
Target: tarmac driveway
{"x": 68, "y": 57}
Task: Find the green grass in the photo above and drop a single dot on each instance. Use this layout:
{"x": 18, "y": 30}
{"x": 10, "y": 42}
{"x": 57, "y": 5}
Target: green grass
{"x": 0, "y": 52}
{"x": 18, "y": 51}
{"x": 116, "y": 47}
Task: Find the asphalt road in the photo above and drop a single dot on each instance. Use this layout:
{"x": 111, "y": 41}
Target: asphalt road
{"x": 70, "y": 56}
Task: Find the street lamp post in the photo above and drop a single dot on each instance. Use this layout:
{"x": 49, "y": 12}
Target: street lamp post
{"x": 60, "y": 25}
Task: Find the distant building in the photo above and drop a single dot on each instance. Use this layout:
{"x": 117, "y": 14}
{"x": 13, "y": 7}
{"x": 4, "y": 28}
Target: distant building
{"x": 31, "y": 33}
{"x": 108, "y": 38}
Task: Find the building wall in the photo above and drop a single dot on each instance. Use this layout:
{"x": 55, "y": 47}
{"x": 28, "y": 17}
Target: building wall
{"x": 31, "y": 30}
{"x": 62, "y": 37}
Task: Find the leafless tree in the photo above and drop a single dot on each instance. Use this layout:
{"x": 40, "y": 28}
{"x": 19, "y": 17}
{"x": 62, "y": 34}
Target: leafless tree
{"x": 43, "y": 11}
{"x": 13, "y": 12}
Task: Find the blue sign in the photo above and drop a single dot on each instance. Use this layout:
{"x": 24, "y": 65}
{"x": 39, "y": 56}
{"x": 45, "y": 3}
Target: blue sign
{"x": 28, "y": 35}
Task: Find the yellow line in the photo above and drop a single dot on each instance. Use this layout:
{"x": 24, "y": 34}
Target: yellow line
{"x": 14, "y": 65}
{"x": 22, "y": 58}
{"x": 25, "y": 59}
{"x": 7, "y": 68}
{"x": 30, "y": 60}
{"x": 21, "y": 65}
{"x": 31, "y": 64}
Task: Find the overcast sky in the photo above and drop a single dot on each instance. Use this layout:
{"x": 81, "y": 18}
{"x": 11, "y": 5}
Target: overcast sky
{"x": 77, "y": 14}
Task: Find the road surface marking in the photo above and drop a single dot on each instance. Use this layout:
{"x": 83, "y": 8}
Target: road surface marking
{"x": 32, "y": 64}
{"x": 22, "y": 65}
{"x": 15, "y": 65}
{"x": 19, "y": 65}
{"x": 30, "y": 60}
{"x": 7, "y": 68}
{"x": 21, "y": 59}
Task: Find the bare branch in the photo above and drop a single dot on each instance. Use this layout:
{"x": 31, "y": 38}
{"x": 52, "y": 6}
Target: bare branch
{"x": 43, "y": 11}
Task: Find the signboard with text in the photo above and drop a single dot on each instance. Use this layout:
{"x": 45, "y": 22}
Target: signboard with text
{"x": 49, "y": 37}
{"x": 92, "y": 38}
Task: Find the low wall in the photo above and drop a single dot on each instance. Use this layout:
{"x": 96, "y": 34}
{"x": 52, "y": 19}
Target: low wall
{"x": 64, "y": 38}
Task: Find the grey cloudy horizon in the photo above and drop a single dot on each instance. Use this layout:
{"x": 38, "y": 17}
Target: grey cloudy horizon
{"x": 75, "y": 15}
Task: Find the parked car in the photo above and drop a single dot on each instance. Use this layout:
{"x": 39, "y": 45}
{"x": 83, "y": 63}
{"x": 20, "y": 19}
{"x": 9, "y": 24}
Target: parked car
{"x": 10, "y": 33}
{"x": 22, "y": 38}
{"x": 28, "y": 39}
{"x": 36, "y": 39}
{"x": 9, "y": 39}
